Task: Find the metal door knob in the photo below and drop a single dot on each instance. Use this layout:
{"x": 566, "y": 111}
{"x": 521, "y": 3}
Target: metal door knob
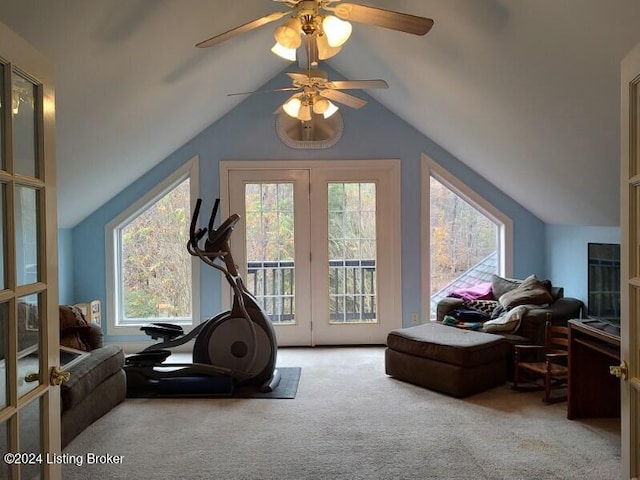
{"x": 619, "y": 371}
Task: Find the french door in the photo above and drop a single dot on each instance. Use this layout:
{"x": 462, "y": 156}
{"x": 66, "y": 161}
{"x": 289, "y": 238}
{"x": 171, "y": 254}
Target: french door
{"x": 319, "y": 246}
{"x": 630, "y": 281}
{"x": 29, "y": 351}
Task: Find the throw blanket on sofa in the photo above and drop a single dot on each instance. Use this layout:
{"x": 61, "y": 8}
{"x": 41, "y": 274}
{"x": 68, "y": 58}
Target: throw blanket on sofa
{"x": 469, "y": 318}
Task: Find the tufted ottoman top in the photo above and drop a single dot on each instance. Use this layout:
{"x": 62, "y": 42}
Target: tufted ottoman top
{"x": 449, "y": 344}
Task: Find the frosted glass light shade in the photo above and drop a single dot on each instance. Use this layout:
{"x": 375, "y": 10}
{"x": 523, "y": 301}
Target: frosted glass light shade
{"x": 288, "y": 34}
{"x": 336, "y": 30}
{"x": 320, "y": 105}
{"x": 305, "y": 113}
{"x": 292, "y": 107}
{"x": 325, "y": 51}
{"x": 286, "y": 53}
{"x": 330, "y": 110}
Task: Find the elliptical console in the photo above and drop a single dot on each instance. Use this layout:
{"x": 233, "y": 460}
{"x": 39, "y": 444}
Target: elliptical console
{"x": 235, "y": 348}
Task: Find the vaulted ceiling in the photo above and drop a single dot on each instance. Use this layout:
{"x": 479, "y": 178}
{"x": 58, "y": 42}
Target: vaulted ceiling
{"x": 525, "y": 92}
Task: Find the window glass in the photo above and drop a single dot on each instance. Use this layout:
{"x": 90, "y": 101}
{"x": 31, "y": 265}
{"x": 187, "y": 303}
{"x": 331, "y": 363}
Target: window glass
{"x": 155, "y": 267}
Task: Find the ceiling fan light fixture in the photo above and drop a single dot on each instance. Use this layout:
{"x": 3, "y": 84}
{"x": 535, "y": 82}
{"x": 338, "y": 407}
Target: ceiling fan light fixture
{"x": 292, "y": 107}
{"x": 286, "y": 53}
{"x": 320, "y": 105}
{"x": 305, "y": 113}
{"x": 336, "y": 30}
{"x": 288, "y": 34}
{"x": 325, "y": 50}
{"x": 331, "y": 109}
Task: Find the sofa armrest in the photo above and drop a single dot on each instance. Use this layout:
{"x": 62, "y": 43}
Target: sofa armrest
{"x": 562, "y": 310}
{"x": 446, "y": 305}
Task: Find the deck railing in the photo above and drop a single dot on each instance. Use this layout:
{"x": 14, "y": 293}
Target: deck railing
{"x": 352, "y": 290}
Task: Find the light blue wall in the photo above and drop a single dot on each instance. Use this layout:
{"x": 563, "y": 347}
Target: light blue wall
{"x": 65, "y": 266}
{"x": 567, "y": 255}
{"x": 248, "y": 132}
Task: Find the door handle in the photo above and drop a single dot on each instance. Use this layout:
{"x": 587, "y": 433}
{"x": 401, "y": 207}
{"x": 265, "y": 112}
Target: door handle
{"x": 32, "y": 377}
{"x": 619, "y": 371}
{"x": 58, "y": 376}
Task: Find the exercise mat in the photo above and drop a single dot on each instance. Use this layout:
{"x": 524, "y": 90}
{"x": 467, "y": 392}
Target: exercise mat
{"x": 287, "y": 388}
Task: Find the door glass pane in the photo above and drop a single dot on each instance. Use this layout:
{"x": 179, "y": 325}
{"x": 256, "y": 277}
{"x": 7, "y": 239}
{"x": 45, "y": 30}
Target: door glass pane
{"x": 4, "y": 346}
{"x": 352, "y": 252}
{"x": 28, "y": 343}
{"x": 270, "y": 248}
{"x": 24, "y": 125}
{"x": 27, "y": 215}
{"x": 464, "y": 244}
{"x": 30, "y": 439}
{"x": 3, "y": 106}
{"x": 3, "y": 243}
{"x": 4, "y": 448}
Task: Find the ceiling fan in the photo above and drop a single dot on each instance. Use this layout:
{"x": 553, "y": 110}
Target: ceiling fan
{"x": 330, "y": 31}
{"x": 315, "y": 92}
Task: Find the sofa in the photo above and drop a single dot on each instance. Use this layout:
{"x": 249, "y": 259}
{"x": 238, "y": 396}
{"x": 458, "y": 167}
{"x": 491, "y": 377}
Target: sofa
{"x": 534, "y": 300}
{"x": 97, "y": 382}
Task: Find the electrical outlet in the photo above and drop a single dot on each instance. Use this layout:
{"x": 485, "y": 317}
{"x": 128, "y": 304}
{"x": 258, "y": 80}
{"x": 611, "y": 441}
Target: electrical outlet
{"x": 414, "y": 317}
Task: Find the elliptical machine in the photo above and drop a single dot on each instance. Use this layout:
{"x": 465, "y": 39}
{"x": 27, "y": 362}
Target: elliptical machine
{"x": 235, "y": 348}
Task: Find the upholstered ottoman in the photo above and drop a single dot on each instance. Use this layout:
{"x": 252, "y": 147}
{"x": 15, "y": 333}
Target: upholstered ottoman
{"x": 447, "y": 359}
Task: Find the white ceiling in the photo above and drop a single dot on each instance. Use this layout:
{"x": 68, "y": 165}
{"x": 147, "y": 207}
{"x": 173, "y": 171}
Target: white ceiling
{"x": 525, "y": 92}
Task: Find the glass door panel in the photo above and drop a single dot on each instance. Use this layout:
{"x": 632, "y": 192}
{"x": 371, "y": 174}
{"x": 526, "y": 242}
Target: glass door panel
{"x": 4, "y": 448}
{"x": 23, "y": 95}
{"x": 270, "y": 248}
{"x": 3, "y": 107}
{"x": 4, "y": 361}
{"x": 3, "y": 236}
{"x": 31, "y": 440}
{"x": 28, "y": 343}
{"x": 352, "y": 252}
{"x": 27, "y": 220}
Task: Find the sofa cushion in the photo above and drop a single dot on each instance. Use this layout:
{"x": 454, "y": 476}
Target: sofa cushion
{"x": 530, "y": 292}
{"x": 501, "y": 285}
{"x": 73, "y": 328}
{"x": 87, "y": 374}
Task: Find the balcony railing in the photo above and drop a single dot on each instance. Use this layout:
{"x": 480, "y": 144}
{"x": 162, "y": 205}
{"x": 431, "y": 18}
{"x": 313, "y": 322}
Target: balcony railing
{"x": 352, "y": 290}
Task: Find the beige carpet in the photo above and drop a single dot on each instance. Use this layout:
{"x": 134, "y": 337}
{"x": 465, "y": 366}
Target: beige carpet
{"x": 349, "y": 421}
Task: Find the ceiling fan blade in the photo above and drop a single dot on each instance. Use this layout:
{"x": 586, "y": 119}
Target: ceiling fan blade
{"x": 286, "y": 89}
{"x": 272, "y": 17}
{"x": 383, "y": 18}
{"x": 356, "y": 84}
{"x": 298, "y": 77}
{"x": 344, "y": 98}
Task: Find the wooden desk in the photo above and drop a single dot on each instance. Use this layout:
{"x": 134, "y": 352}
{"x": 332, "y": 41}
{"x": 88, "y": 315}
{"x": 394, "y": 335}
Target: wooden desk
{"x": 594, "y": 345}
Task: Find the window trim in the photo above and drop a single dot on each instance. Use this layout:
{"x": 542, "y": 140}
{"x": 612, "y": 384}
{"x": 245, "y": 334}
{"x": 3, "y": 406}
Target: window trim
{"x": 189, "y": 170}
{"x": 504, "y": 223}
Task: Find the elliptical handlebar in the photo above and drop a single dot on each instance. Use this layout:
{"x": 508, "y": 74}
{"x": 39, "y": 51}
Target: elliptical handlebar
{"x": 216, "y": 243}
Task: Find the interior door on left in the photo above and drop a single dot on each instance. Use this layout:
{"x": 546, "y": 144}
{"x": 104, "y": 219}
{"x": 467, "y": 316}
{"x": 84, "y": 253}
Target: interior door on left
{"x": 29, "y": 406}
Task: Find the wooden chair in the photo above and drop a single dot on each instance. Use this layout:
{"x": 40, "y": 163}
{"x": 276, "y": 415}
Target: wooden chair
{"x": 549, "y": 374}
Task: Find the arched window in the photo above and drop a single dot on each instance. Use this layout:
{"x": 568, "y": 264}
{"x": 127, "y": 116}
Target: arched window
{"x": 151, "y": 276}
{"x": 465, "y": 238}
